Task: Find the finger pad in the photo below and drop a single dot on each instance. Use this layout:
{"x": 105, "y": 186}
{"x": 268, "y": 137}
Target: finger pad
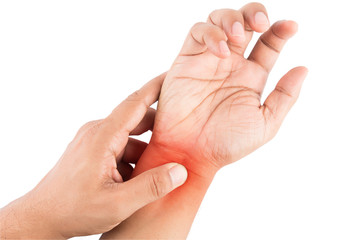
{"x": 293, "y": 79}
{"x": 285, "y": 29}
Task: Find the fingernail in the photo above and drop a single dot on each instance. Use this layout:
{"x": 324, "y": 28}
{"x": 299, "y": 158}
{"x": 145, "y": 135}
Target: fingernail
{"x": 237, "y": 30}
{"x": 261, "y": 19}
{"x": 224, "y": 49}
{"x": 178, "y": 175}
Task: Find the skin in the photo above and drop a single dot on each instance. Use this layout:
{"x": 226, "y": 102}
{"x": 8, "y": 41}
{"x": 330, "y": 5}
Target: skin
{"x": 210, "y": 112}
{"x": 85, "y": 193}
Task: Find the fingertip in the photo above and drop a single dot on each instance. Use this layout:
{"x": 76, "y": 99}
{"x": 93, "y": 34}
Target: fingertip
{"x": 294, "y": 79}
{"x": 285, "y": 28}
{"x": 301, "y": 70}
{"x": 305, "y": 69}
{"x": 224, "y": 49}
{"x": 305, "y": 72}
{"x": 178, "y": 175}
{"x": 261, "y": 22}
{"x": 116, "y": 176}
{"x": 255, "y": 15}
{"x": 238, "y": 32}
{"x": 293, "y": 25}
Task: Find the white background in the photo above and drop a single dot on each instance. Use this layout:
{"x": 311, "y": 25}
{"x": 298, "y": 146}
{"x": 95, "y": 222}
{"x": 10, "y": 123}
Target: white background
{"x": 63, "y": 63}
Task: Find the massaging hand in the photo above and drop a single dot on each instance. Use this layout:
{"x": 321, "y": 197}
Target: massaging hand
{"x": 210, "y": 104}
{"x": 85, "y": 193}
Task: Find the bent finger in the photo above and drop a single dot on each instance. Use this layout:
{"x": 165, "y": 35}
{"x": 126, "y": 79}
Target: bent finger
{"x": 128, "y": 114}
{"x": 205, "y": 36}
{"x": 256, "y": 17}
{"x": 232, "y": 22}
{"x": 125, "y": 170}
{"x": 133, "y": 151}
{"x": 147, "y": 123}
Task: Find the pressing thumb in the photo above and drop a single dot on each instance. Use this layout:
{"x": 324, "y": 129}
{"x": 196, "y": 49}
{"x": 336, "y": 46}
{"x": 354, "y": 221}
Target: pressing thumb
{"x": 152, "y": 185}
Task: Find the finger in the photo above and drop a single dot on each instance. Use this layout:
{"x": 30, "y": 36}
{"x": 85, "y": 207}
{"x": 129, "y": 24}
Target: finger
{"x": 149, "y": 186}
{"x": 128, "y": 114}
{"x": 280, "y": 101}
{"x": 255, "y": 16}
{"x": 233, "y": 22}
{"x": 125, "y": 170}
{"x": 269, "y": 45}
{"x": 203, "y": 37}
{"x": 133, "y": 151}
{"x": 147, "y": 123}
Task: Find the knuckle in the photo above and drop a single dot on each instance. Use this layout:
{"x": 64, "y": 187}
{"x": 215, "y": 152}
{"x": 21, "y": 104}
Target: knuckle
{"x": 135, "y": 96}
{"x": 138, "y": 99}
{"x": 196, "y": 26}
{"x": 214, "y": 13}
{"x": 158, "y": 185}
{"x": 85, "y": 133}
{"x": 260, "y": 5}
{"x": 255, "y": 5}
{"x": 270, "y": 44}
{"x": 216, "y": 16}
{"x": 90, "y": 128}
{"x": 220, "y": 12}
{"x": 86, "y": 125}
{"x": 94, "y": 127}
{"x": 284, "y": 92}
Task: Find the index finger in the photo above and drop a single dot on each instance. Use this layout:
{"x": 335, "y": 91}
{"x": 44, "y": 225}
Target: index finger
{"x": 128, "y": 114}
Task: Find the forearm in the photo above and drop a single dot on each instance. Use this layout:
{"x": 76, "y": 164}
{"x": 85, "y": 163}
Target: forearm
{"x": 22, "y": 220}
{"x": 170, "y": 217}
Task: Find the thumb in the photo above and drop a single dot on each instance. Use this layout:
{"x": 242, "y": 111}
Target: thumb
{"x": 279, "y": 102}
{"x": 150, "y": 186}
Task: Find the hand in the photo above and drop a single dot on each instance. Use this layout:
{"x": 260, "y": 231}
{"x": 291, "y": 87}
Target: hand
{"x": 210, "y": 103}
{"x": 85, "y": 193}
{"x": 209, "y": 113}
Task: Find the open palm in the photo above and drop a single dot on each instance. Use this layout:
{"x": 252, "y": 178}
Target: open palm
{"x": 210, "y": 103}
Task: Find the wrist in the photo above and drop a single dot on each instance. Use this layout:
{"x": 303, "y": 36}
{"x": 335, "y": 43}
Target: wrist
{"x": 24, "y": 219}
{"x": 157, "y": 154}
{"x": 185, "y": 200}
{"x": 171, "y": 216}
